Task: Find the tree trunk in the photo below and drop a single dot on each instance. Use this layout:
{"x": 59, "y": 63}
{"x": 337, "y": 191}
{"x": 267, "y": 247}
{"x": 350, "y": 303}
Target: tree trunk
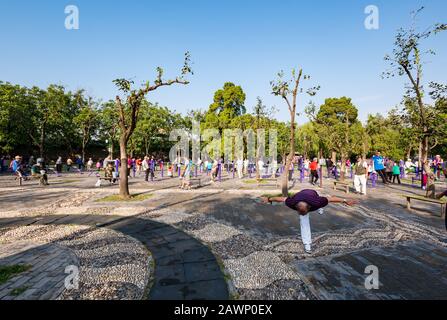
{"x": 343, "y": 167}
{"x": 430, "y": 188}
{"x": 124, "y": 186}
{"x": 334, "y": 157}
{"x": 409, "y": 153}
{"x": 42, "y": 142}
{"x": 285, "y": 177}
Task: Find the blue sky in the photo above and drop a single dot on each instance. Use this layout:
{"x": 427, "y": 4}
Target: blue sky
{"x": 246, "y": 42}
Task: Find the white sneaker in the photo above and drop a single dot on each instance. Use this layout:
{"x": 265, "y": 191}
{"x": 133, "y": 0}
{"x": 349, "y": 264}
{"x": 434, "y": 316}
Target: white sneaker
{"x": 321, "y": 211}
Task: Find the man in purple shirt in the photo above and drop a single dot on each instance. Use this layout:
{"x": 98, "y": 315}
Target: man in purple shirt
{"x": 440, "y": 196}
{"x": 304, "y": 202}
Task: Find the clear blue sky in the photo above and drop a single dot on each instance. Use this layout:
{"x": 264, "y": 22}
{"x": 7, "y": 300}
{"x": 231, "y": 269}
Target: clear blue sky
{"x": 242, "y": 41}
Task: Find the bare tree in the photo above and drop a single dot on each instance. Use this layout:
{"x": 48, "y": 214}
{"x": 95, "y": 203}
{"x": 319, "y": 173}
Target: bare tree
{"x": 289, "y": 90}
{"x": 406, "y": 60}
{"x": 129, "y": 110}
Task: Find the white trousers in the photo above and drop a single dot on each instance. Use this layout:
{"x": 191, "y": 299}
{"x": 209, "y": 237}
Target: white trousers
{"x": 239, "y": 172}
{"x": 360, "y": 183}
{"x": 306, "y": 234}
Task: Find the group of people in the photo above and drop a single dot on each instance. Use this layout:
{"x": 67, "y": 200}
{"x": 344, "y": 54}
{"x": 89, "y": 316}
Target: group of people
{"x": 37, "y": 169}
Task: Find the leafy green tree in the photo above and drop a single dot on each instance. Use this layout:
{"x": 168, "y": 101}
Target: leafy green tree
{"x": 87, "y": 121}
{"x": 337, "y": 123}
{"x": 16, "y": 109}
{"x": 229, "y": 103}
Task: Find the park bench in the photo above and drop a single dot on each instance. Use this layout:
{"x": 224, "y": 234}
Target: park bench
{"x": 343, "y": 184}
{"x": 423, "y": 199}
{"x": 199, "y": 179}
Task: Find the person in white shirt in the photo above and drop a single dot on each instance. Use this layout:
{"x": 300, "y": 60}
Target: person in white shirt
{"x": 89, "y": 164}
{"x": 145, "y": 168}
{"x": 360, "y": 175}
{"x": 240, "y": 168}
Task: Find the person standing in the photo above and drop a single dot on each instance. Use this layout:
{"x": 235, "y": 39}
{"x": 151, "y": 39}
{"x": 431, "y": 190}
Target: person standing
{"x": 439, "y": 197}
{"x": 152, "y": 168}
{"x": 59, "y": 165}
{"x": 314, "y": 167}
{"x": 89, "y": 164}
{"x": 240, "y": 168}
{"x": 186, "y": 176}
{"x": 360, "y": 175}
{"x": 304, "y": 202}
{"x": 145, "y": 168}
{"x": 389, "y": 169}
{"x": 379, "y": 166}
{"x": 17, "y": 167}
{"x": 396, "y": 173}
{"x": 69, "y": 164}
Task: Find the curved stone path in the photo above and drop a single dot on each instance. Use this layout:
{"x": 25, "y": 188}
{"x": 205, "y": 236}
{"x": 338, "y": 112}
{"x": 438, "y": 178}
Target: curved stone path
{"x": 185, "y": 269}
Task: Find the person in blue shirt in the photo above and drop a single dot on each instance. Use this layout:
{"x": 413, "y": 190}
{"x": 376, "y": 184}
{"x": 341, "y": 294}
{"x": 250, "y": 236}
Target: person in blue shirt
{"x": 379, "y": 167}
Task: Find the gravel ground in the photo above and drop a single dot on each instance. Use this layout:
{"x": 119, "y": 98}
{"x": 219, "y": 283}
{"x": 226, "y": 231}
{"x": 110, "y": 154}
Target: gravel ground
{"x": 112, "y": 265}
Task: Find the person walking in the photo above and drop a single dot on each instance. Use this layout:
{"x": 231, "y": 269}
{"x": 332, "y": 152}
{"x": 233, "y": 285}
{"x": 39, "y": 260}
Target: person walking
{"x": 439, "y": 197}
{"x": 145, "y": 168}
{"x": 379, "y": 167}
{"x": 69, "y": 164}
{"x": 389, "y": 169}
{"x": 396, "y": 172}
{"x": 304, "y": 202}
{"x": 89, "y": 164}
{"x": 314, "y": 167}
{"x": 360, "y": 175}
{"x": 240, "y": 168}
{"x": 59, "y": 165}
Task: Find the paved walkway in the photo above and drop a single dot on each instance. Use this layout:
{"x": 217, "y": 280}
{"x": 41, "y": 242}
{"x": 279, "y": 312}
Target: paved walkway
{"x": 45, "y": 279}
{"x": 414, "y": 270}
{"x": 258, "y": 245}
{"x": 185, "y": 269}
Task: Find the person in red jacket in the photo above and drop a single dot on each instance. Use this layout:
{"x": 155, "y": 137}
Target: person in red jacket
{"x": 314, "y": 167}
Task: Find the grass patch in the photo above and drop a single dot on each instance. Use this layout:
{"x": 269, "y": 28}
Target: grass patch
{"x": 8, "y": 272}
{"x": 133, "y": 198}
{"x": 254, "y": 181}
{"x": 276, "y": 195}
{"x": 18, "y": 291}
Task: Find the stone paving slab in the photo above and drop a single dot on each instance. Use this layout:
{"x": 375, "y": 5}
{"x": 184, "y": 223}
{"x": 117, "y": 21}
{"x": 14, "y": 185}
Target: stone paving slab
{"x": 185, "y": 269}
{"x": 413, "y": 270}
{"x": 46, "y": 277}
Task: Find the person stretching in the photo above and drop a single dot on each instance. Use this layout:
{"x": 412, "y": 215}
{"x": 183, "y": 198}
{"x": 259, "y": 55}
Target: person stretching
{"x": 304, "y": 202}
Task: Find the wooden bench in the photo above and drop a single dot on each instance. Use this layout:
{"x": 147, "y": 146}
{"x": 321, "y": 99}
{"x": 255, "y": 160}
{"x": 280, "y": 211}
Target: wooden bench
{"x": 196, "y": 179}
{"x": 344, "y": 184}
{"x": 423, "y": 199}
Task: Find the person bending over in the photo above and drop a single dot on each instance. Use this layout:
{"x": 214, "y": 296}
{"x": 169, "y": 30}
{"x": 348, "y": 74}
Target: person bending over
{"x": 304, "y": 202}
{"x": 440, "y": 196}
